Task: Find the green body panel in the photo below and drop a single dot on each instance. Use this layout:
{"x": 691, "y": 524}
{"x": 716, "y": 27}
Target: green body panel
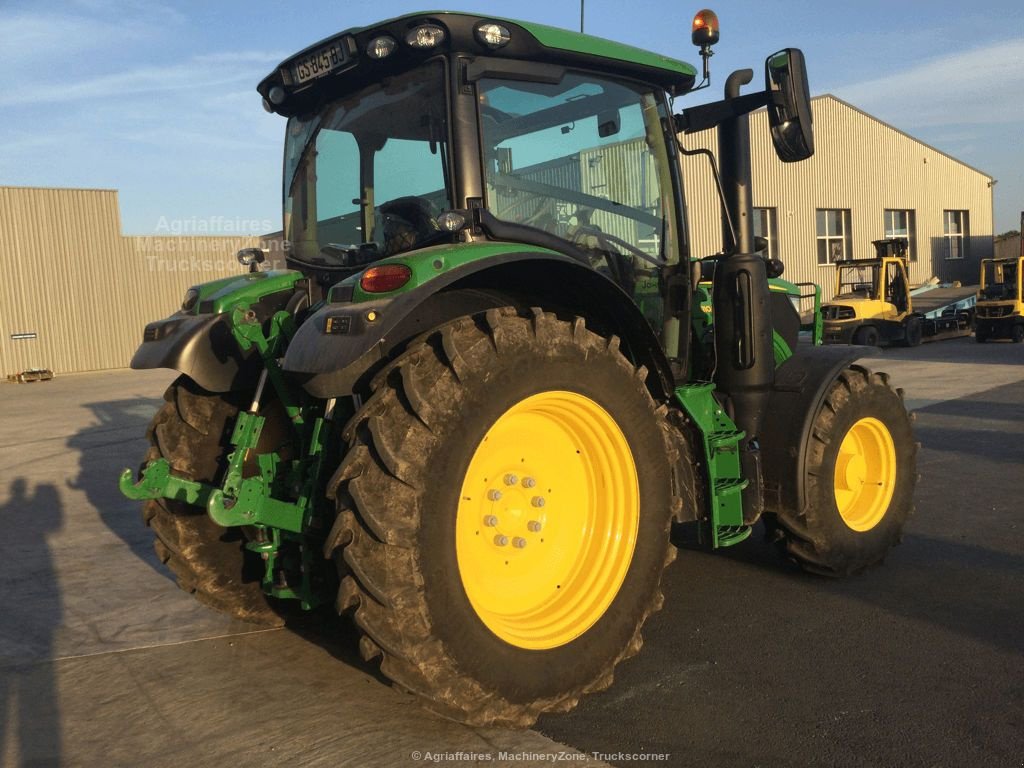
{"x": 428, "y": 263}
{"x": 566, "y": 40}
{"x": 222, "y": 295}
{"x": 721, "y": 440}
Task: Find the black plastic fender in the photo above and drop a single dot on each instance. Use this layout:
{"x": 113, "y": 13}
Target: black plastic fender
{"x": 340, "y": 346}
{"x": 199, "y": 346}
{"x": 203, "y": 348}
{"x": 801, "y": 384}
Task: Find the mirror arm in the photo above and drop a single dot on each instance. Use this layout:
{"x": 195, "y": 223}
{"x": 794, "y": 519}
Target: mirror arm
{"x": 704, "y": 116}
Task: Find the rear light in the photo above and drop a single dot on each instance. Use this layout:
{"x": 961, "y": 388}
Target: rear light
{"x": 385, "y": 278}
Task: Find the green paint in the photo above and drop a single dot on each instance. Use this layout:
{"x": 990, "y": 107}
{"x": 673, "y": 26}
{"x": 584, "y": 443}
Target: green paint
{"x": 221, "y": 295}
{"x": 158, "y": 482}
{"x": 433, "y": 262}
{"x": 576, "y": 42}
{"x": 280, "y": 502}
{"x": 721, "y": 440}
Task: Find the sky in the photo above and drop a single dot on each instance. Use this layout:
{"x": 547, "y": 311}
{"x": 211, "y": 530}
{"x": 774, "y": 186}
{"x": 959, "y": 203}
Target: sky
{"x": 158, "y": 100}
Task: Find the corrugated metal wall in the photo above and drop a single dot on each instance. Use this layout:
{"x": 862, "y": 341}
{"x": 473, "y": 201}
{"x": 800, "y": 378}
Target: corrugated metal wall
{"x": 87, "y": 291}
{"x": 1008, "y": 247}
{"x": 70, "y": 277}
{"x": 859, "y": 164}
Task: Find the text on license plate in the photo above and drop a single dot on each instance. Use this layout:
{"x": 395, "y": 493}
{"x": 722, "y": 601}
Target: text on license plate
{"x": 319, "y": 63}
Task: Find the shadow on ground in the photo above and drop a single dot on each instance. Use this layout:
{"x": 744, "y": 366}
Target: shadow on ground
{"x": 31, "y": 607}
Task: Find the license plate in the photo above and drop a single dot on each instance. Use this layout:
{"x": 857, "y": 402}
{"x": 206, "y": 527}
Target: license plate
{"x": 318, "y": 63}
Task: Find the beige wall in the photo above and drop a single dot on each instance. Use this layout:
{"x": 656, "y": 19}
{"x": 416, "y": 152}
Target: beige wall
{"x": 860, "y": 164}
{"x": 68, "y": 275}
{"x": 1008, "y": 247}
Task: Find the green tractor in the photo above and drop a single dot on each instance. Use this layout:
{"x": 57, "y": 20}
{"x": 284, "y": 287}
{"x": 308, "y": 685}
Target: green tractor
{"x": 473, "y": 408}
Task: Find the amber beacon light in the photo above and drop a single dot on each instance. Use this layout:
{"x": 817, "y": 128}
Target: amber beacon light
{"x": 705, "y": 28}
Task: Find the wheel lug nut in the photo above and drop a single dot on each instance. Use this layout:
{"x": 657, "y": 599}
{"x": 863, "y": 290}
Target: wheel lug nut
{"x": 511, "y": 479}
{"x": 491, "y": 520}
{"x": 529, "y": 482}
{"x": 534, "y": 526}
{"x": 500, "y": 540}
{"x": 518, "y": 542}
{"x": 494, "y": 495}
{"x": 537, "y": 501}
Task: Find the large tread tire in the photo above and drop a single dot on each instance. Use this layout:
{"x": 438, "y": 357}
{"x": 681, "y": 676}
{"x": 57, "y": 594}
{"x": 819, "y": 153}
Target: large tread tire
{"x": 191, "y": 431}
{"x": 817, "y": 538}
{"x": 398, "y": 486}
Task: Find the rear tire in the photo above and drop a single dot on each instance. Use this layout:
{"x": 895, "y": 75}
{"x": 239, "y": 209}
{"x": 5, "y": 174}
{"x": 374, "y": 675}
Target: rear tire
{"x": 414, "y": 537}
{"x": 980, "y": 336}
{"x": 866, "y": 336}
{"x": 1017, "y": 334}
{"x": 860, "y": 473}
{"x": 191, "y": 432}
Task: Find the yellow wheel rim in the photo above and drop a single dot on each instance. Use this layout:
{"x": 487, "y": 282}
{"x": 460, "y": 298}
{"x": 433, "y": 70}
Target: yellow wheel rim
{"x": 865, "y": 474}
{"x": 547, "y": 520}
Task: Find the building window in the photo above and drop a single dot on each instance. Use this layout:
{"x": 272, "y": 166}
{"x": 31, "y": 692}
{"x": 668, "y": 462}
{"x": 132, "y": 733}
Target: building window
{"x": 766, "y": 226}
{"x": 833, "y": 230}
{"x": 955, "y": 225}
{"x": 901, "y": 224}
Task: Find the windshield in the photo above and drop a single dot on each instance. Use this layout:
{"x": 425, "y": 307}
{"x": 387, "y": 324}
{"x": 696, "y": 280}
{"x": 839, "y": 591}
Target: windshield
{"x": 367, "y": 175}
{"x": 999, "y": 279}
{"x": 857, "y": 282}
{"x": 584, "y": 159}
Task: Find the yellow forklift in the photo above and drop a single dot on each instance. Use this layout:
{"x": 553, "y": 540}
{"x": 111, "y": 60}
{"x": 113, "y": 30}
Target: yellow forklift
{"x": 1000, "y": 306}
{"x": 872, "y": 304}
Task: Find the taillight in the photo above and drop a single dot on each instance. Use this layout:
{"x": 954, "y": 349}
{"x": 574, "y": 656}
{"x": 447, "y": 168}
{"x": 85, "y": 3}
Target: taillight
{"x": 385, "y": 278}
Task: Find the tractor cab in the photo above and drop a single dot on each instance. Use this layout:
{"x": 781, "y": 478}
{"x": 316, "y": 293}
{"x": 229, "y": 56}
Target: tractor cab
{"x": 548, "y": 151}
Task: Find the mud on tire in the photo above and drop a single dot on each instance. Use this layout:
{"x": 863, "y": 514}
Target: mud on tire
{"x": 819, "y": 539}
{"x": 398, "y": 488}
{"x": 191, "y": 432}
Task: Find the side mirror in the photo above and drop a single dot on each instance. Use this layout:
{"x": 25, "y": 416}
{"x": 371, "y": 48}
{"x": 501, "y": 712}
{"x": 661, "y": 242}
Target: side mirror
{"x": 789, "y": 105}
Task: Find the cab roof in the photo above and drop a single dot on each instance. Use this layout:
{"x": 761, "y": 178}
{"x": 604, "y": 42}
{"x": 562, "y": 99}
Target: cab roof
{"x": 528, "y": 43}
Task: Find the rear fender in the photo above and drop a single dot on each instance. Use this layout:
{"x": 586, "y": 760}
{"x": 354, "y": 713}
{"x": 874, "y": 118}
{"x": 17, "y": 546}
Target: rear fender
{"x": 342, "y": 345}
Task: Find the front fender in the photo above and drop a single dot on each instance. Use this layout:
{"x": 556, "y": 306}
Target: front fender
{"x": 801, "y": 384}
{"x": 199, "y": 343}
{"x": 199, "y": 346}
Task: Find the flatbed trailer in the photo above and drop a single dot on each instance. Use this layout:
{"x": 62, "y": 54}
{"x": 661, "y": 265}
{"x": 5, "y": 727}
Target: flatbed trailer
{"x": 947, "y": 312}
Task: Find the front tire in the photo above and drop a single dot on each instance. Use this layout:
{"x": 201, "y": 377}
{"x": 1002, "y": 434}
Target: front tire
{"x": 211, "y": 563}
{"x": 866, "y": 336}
{"x": 860, "y": 473}
{"x": 504, "y": 512}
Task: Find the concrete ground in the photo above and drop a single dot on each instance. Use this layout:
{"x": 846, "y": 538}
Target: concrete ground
{"x": 104, "y": 662}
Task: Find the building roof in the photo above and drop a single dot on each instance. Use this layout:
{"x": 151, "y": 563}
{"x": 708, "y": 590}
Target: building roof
{"x": 901, "y": 132}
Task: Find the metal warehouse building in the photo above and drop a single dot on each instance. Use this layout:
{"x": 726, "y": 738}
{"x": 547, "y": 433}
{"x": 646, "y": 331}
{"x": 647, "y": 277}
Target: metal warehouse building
{"x": 866, "y": 181}
{"x": 78, "y": 292}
